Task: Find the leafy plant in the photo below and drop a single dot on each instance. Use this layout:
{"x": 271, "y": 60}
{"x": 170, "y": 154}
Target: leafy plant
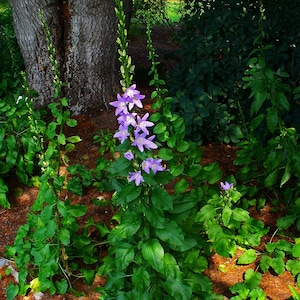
{"x": 216, "y": 42}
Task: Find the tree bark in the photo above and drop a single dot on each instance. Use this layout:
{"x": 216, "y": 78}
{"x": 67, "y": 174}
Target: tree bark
{"x": 84, "y": 35}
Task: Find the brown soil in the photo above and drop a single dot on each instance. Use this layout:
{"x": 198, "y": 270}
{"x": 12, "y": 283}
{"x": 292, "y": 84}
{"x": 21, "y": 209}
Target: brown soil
{"x": 22, "y": 197}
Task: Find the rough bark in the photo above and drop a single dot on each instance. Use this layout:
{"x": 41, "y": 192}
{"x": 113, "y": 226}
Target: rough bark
{"x": 84, "y": 34}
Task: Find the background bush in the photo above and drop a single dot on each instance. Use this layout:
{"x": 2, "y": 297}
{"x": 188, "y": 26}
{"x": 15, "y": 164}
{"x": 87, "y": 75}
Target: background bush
{"x": 216, "y": 41}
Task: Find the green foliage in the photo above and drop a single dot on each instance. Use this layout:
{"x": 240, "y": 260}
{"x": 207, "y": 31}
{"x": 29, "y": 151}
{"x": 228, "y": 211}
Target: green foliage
{"x": 228, "y": 225}
{"x": 216, "y": 42}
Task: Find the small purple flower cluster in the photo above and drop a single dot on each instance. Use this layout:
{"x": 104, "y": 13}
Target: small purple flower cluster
{"x": 128, "y": 120}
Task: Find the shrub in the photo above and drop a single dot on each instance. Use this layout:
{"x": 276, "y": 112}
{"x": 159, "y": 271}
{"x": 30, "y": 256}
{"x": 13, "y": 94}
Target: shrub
{"x": 216, "y": 42}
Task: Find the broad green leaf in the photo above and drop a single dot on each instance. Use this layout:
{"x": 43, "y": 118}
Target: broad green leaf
{"x": 129, "y": 193}
{"x": 259, "y": 99}
{"x": 286, "y": 175}
{"x": 61, "y": 138}
{"x": 153, "y": 253}
{"x": 293, "y": 266}
{"x": 74, "y": 139}
{"x": 183, "y": 146}
{"x": 165, "y": 154}
{"x": 177, "y": 288}
{"x": 170, "y": 266}
{"x": 252, "y": 279}
{"x": 64, "y": 236}
{"x": 272, "y": 120}
{"x": 181, "y": 186}
{"x": 240, "y": 214}
{"x": 177, "y": 170}
{"x": 161, "y": 199}
{"x": 11, "y": 291}
{"x": 271, "y": 178}
{"x": 285, "y": 222}
{"x": 71, "y": 122}
{"x": 141, "y": 279}
{"x": 62, "y": 286}
{"x": 159, "y": 128}
{"x": 126, "y": 229}
{"x": 124, "y": 255}
{"x": 155, "y": 217}
{"x": 265, "y": 263}
{"x": 207, "y": 212}
{"x": 226, "y": 215}
{"x": 277, "y": 263}
{"x": 296, "y": 250}
{"x": 283, "y": 101}
{"x": 77, "y": 210}
{"x": 247, "y": 257}
{"x": 171, "y": 233}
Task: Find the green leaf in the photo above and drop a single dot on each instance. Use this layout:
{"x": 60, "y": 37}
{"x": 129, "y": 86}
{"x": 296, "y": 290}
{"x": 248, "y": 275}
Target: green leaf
{"x": 159, "y": 128}
{"x": 277, "y": 263}
{"x": 170, "y": 266}
{"x": 62, "y": 286}
{"x": 181, "y": 186}
{"x": 165, "y": 154}
{"x": 77, "y": 210}
{"x": 61, "y": 138}
{"x": 226, "y": 215}
{"x": 171, "y": 233}
{"x": 259, "y": 99}
{"x": 74, "y": 139}
{"x": 252, "y": 279}
{"x": 129, "y": 193}
{"x": 296, "y": 250}
{"x": 183, "y": 146}
{"x": 285, "y": 222}
{"x": 271, "y": 178}
{"x": 124, "y": 255}
{"x": 177, "y": 170}
{"x": 141, "y": 279}
{"x": 283, "y": 101}
{"x": 177, "y": 288}
{"x": 265, "y": 263}
{"x": 161, "y": 199}
{"x": 71, "y": 122}
{"x": 293, "y": 266}
{"x": 286, "y": 175}
{"x": 64, "y": 236}
{"x": 239, "y": 214}
{"x": 207, "y": 212}
{"x": 88, "y": 276}
{"x": 130, "y": 225}
{"x": 12, "y": 291}
{"x": 272, "y": 119}
{"x": 247, "y": 257}
{"x": 153, "y": 253}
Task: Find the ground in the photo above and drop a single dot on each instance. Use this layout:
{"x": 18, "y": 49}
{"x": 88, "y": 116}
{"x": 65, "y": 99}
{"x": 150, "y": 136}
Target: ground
{"x": 21, "y": 197}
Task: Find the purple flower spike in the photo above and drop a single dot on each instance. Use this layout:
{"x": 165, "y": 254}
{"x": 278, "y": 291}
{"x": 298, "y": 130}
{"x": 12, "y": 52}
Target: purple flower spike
{"x": 226, "y": 186}
{"x": 120, "y": 105}
{"x": 141, "y": 141}
{"x": 152, "y": 164}
{"x": 134, "y": 97}
{"x": 127, "y": 119}
{"x": 142, "y": 124}
{"x": 129, "y": 155}
{"x": 136, "y": 177}
{"x": 122, "y": 134}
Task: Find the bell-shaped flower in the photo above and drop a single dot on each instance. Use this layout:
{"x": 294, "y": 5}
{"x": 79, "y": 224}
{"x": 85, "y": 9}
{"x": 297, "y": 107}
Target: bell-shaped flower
{"x": 141, "y": 141}
{"x": 136, "y": 177}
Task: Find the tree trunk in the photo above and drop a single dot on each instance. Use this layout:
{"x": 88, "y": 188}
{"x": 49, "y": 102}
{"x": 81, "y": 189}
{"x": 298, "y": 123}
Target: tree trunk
{"x": 84, "y": 35}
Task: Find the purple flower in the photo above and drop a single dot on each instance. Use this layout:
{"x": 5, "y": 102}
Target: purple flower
{"x": 127, "y": 119}
{"x": 122, "y": 134}
{"x": 142, "y": 124}
{"x": 134, "y": 97}
{"x": 129, "y": 155}
{"x": 121, "y": 105}
{"x": 136, "y": 177}
{"x": 152, "y": 164}
{"x": 226, "y": 186}
{"x": 141, "y": 141}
